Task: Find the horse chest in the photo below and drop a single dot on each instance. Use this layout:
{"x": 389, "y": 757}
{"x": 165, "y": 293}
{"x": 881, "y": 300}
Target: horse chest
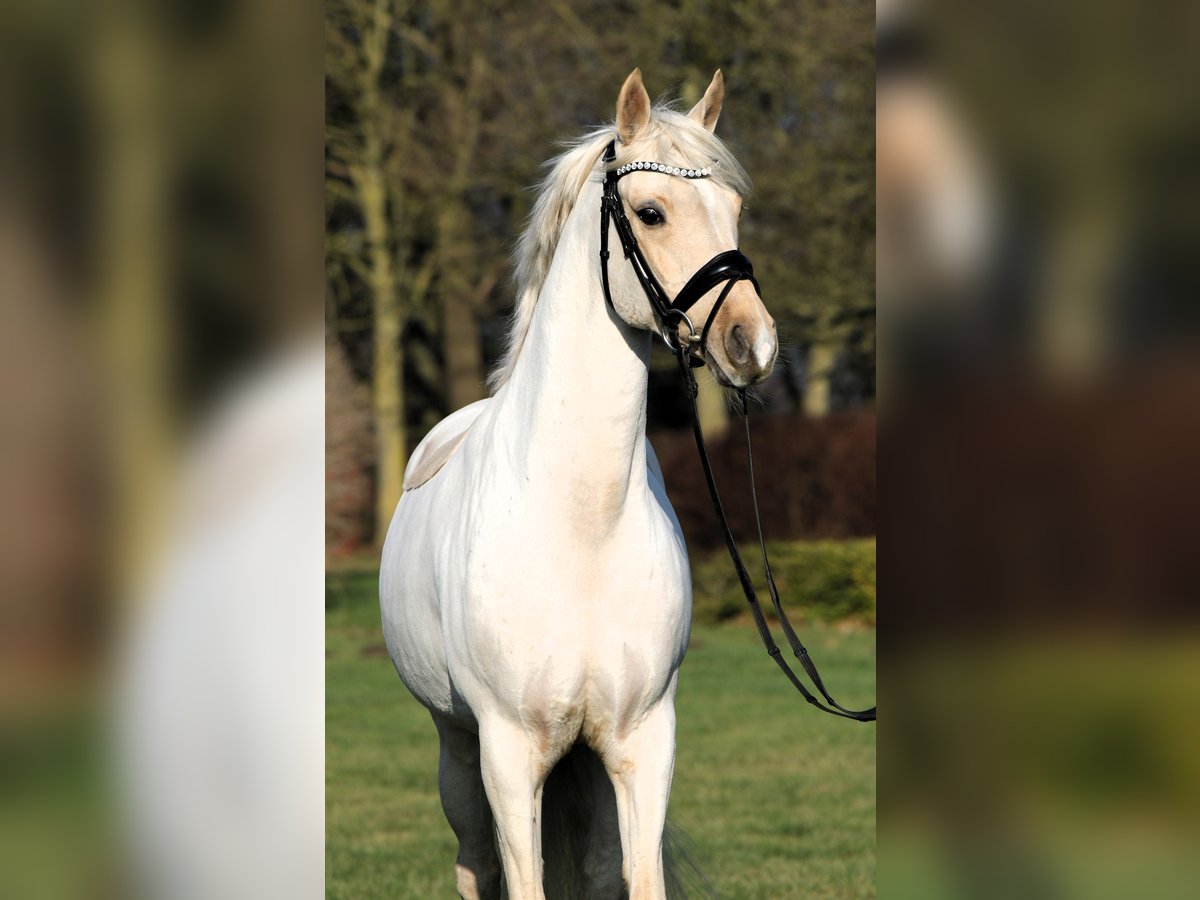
{"x": 584, "y": 645}
{"x": 597, "y": 687}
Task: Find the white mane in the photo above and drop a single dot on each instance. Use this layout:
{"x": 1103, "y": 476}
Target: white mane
{"x": 669, "y": 137}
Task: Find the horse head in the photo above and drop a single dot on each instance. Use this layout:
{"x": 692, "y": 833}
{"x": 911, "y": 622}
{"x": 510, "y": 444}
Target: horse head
{"x": 681, "y": 192}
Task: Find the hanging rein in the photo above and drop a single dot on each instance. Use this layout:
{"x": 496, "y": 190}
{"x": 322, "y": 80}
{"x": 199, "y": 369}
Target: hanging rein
{"x": 729, "y": 267}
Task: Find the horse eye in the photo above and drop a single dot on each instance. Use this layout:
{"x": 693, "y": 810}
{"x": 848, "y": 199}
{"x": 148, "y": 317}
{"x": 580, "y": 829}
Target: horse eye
{"x": 650, "y": 216}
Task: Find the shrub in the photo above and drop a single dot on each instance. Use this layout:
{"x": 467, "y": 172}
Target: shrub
{"x": 816, "y": 478}
{"x": 826, "y": 580}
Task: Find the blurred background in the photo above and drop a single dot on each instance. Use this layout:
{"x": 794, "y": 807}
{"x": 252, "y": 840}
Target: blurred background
{"x": 1037, "y": 286}
{"x": 160, "y": 449}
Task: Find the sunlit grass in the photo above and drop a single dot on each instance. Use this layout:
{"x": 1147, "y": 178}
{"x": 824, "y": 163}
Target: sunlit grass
{"x": 778, "y": 798}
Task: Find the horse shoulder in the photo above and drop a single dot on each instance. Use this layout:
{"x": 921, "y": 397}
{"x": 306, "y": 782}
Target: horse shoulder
{"x": 442, "y": 442}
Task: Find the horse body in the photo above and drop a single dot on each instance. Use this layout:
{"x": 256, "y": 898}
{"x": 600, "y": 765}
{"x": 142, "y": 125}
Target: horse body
{"x": 545, "y": 536}
{"x": 536, "y": 593}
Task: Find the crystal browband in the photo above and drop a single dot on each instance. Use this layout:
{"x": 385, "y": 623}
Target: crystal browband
{"x": 681, "y": 171}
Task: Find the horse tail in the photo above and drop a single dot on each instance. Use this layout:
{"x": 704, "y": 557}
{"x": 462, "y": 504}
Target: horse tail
{"x": 577, "y": 783}
{"x": 568, "y": 801}
{"x": 684, "y": 877}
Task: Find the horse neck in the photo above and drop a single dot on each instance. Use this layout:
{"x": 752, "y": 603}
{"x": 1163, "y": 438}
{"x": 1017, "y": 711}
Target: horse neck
{"x": 579, "y": 385}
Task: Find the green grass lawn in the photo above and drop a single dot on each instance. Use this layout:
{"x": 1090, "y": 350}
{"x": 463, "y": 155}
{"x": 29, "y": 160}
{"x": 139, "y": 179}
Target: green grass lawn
{"x": 778, "y": 798}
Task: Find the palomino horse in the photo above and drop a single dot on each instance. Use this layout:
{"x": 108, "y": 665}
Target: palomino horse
{"x": 535, "y": 588}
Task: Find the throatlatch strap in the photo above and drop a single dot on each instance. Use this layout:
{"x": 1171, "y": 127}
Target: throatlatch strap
{"x": 764, "y": 631}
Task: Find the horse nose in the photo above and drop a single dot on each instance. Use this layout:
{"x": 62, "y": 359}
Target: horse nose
{"x": 751, "y": 350}
{"x": 737, "y": 348}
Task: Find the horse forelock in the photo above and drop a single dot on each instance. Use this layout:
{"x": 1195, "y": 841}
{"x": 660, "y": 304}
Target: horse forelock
{"x": 670, "y": 137}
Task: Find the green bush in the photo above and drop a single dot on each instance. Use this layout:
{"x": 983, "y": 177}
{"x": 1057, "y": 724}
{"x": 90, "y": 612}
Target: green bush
{"x": 826, "y": 580}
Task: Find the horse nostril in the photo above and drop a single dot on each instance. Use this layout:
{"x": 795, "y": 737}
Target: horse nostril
{"x": 736, "y": 346}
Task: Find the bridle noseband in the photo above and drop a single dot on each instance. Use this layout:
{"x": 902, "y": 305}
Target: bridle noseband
{"x": 729, "y": 267}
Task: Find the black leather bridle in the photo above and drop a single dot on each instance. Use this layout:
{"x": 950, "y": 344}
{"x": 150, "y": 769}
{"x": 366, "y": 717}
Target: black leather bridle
{"x": 729, "y": 267}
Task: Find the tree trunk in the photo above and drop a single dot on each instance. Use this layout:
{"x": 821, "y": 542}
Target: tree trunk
{"x": 387, "y": 395}
{"x": 461, "y": 347}
{"x": 821, "y": 359}
{"x": 388, "y": 370}
{"x": 711, "y": 406}
{"x": 1073, "y": 339}
{"x": 464, "y": 356}
{"x": 135, "y": 313}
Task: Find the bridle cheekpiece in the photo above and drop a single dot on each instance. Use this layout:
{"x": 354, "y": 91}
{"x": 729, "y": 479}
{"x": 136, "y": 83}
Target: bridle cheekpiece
{"x": 729, "y": 267}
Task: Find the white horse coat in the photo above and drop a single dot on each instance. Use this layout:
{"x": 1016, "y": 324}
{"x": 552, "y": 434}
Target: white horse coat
{"x": 535, "y": 587}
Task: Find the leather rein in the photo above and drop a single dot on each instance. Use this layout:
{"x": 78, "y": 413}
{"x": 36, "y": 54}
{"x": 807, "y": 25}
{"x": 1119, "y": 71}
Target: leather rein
{"x": 729, "y": 267}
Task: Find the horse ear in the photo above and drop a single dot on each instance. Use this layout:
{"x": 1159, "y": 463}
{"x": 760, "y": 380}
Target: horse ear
{"x": 708, "y": 109}
{"x": 633, "y": 107}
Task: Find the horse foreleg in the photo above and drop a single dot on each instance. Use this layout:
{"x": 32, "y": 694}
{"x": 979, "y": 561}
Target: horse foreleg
{"x": 641, "y": 766}
{"x": 514, "y": 773}
{"x": 477, "y": 871}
